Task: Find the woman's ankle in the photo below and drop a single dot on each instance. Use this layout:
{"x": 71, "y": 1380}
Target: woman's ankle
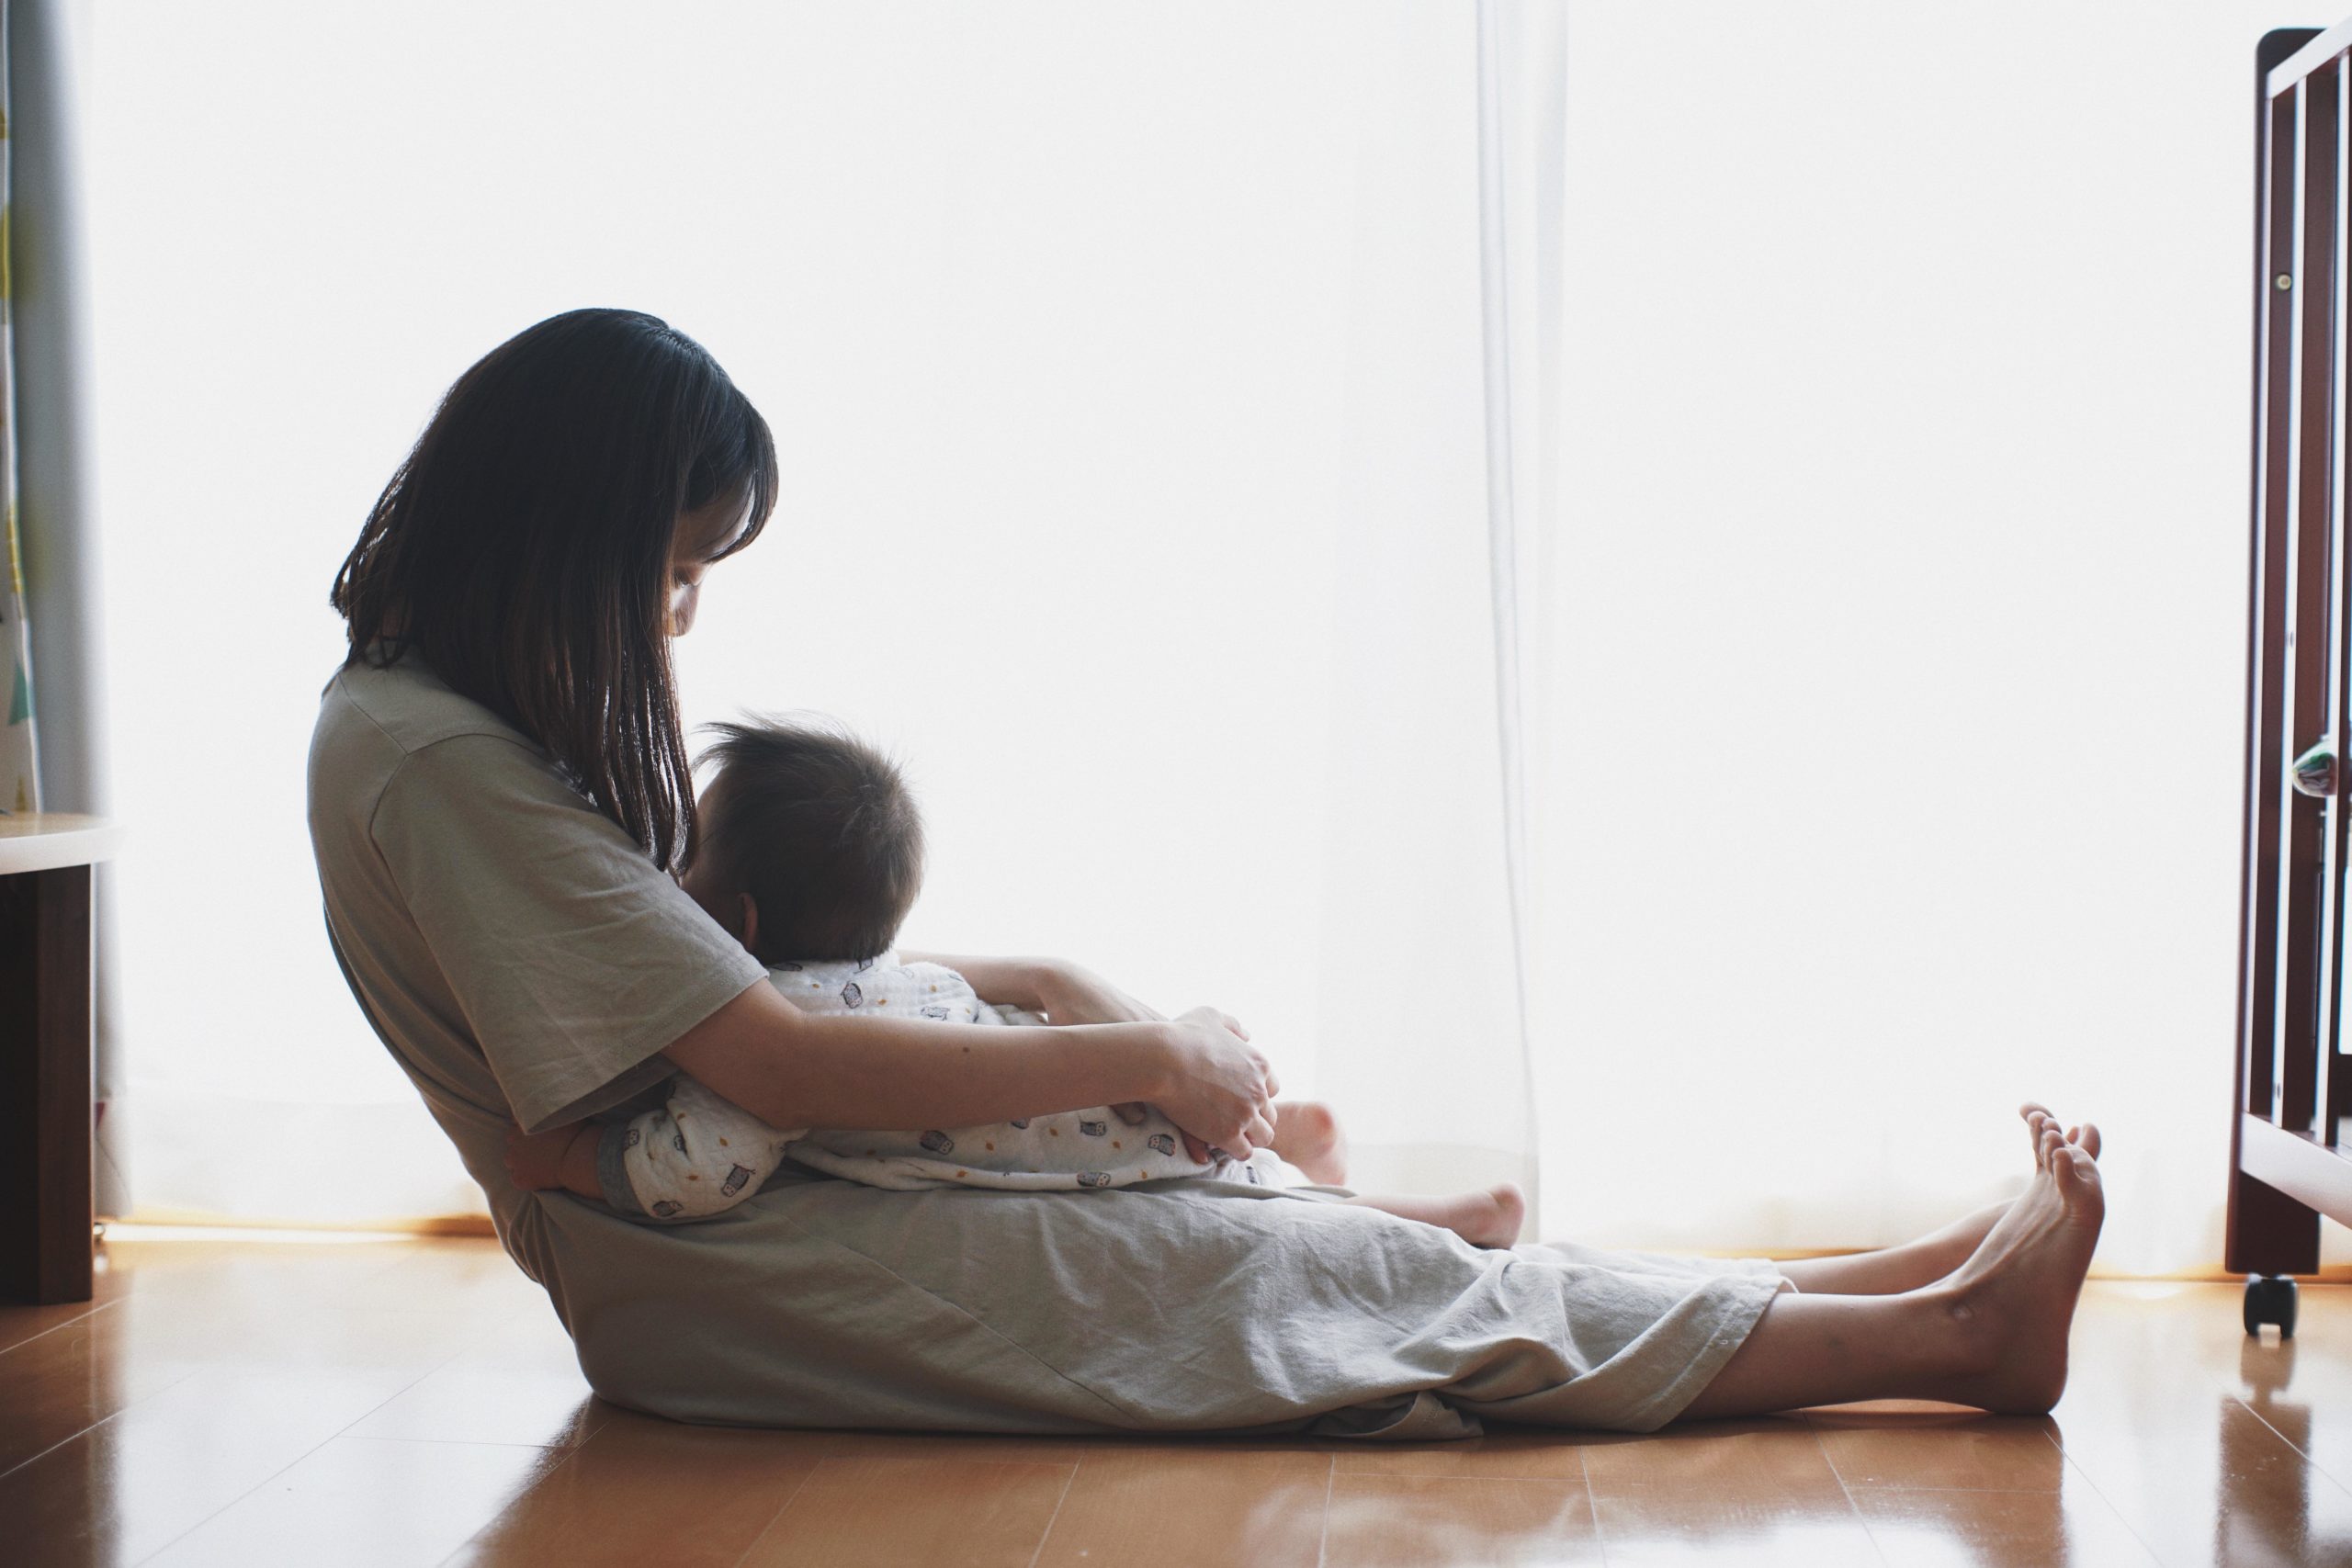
{"x": 1974, "y": 1342}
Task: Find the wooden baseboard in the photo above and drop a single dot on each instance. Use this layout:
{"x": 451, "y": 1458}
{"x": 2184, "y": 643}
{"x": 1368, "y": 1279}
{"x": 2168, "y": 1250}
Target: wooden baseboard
{"x": 413, "y": 1225}
{"x": 192, "y": 1222}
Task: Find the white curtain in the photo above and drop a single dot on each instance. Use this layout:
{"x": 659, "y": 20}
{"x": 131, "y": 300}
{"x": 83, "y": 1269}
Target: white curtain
{"x": 1896, "y": 640}
{"x": 59, "y": 653}
{"x": 1128, "y": 368}
{"x": 19, "y": 738}
{"x": 1492, "y": 548}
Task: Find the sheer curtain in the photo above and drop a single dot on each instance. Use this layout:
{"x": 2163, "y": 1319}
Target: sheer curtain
{"x": 1128, "y": 368}
{"x": 1887, "y": 769}
{"x": 1491, "y": 549}
{"x": 19, "y": 738}
{"x": 60, "y": 682}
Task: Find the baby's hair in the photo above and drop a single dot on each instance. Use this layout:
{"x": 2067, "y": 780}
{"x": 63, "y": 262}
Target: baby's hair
{"x": 818, "y": 827}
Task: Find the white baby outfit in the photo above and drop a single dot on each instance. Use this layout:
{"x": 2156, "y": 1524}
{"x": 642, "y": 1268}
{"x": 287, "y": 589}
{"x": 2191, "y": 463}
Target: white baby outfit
{"x": 700, "y": 1153}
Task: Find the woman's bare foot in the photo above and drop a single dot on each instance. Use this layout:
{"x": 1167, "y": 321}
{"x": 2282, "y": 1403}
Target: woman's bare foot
{"x": 534, "y": 1160}
{"x": 1308, "y": 1134}
{"x": 2014, "y": 1299}
{"x": 2084, "y": 1137}
{"x": 1893, "y": 1269}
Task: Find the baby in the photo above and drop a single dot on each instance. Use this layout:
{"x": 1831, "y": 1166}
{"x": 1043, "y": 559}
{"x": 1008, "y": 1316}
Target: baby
{"x": 811, "y": 855}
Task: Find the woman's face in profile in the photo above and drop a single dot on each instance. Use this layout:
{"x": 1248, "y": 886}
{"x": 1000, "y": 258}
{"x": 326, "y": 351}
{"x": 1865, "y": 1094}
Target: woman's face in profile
{"x": 702, "y": 536}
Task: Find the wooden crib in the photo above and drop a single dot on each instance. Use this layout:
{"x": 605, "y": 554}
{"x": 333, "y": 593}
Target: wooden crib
{"x": 2293, "y": 1086}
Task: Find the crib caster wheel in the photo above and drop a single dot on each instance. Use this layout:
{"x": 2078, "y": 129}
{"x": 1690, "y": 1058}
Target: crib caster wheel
{"x": 2270, "y": 1301}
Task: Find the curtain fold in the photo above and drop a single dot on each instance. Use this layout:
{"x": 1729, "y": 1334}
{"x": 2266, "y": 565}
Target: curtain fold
{"x": 19, "y": 743}
{"x": 47, "y": 428}
{"x": 1420, "y": 795}
{"x": 1522, "y": 126}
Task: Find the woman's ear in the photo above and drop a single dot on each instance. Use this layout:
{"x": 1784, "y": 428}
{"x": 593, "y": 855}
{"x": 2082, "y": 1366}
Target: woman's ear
{"x": 750, "y": 931}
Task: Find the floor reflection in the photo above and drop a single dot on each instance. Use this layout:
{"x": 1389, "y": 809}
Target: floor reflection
{"x": 2263, "y": 1512}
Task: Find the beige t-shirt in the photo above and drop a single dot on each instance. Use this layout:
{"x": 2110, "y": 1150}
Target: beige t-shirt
{"x": 518, "y": 954}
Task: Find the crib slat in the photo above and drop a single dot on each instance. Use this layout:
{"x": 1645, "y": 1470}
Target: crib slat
{"x": 2309, "y": 573}
{"x": 2269, "y": 1233}
{"x": 2327, "y": 1058}
{"x": 2265, "y": 793}
{"x": 2322, "y": 498}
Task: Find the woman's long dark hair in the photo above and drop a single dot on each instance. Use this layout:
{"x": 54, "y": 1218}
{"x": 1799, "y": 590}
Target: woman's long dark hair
{"x": 523, "y": 550}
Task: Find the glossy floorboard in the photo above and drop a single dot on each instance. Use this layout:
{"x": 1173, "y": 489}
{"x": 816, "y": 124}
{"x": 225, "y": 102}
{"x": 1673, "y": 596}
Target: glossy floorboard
{"x": 414, "y": 1403}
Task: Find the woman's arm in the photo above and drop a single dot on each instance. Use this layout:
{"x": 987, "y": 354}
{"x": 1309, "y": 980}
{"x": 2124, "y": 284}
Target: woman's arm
{"x": 792, "y": 1068}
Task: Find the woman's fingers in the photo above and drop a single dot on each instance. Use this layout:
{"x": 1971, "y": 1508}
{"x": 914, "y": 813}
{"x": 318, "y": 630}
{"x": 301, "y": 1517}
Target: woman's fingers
{"x": 1261, "y": 1132}
{"x": 1224, "y": 1097}
{"x": 1258, "y": 1134}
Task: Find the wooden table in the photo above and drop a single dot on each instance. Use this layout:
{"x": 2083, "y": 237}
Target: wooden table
{"x": 46, "y": 993}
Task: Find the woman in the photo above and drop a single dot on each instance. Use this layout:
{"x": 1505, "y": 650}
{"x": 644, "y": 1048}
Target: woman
{"x": 500, "y": 800}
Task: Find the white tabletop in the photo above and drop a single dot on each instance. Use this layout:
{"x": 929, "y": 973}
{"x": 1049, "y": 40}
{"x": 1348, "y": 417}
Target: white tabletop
{"x": 44, "y": 840}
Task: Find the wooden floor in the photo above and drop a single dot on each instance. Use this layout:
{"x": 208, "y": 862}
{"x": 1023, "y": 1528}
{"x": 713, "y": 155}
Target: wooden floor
{"x": 414, "y": 1402}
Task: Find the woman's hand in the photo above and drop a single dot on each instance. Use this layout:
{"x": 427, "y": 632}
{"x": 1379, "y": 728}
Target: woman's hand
{"x": 1072, "y": 995}
{"x": 1221, "y": 1093}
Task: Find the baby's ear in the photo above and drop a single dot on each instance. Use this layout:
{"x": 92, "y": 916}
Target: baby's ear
{"x": 750, "y": 931}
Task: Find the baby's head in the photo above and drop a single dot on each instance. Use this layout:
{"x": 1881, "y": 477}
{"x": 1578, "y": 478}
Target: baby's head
{"x": 811, "y": 845}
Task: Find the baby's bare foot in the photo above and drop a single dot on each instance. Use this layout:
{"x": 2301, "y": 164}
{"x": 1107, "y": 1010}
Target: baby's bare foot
{"x": 1491, "y": 1218}
{"x": 2016, "y": 1294}
{"x": 1308, "y": 1134}
{"x": 534, "y": 1160}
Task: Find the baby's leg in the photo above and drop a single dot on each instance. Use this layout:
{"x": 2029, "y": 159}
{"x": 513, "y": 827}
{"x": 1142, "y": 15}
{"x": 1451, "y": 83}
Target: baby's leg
{"x": 1308, "y": 1137}
{"x": 1490, "y": 1218}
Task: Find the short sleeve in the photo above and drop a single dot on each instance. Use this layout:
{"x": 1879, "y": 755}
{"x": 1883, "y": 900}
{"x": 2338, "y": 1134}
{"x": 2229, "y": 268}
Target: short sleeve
{"x": 574, "y": 958}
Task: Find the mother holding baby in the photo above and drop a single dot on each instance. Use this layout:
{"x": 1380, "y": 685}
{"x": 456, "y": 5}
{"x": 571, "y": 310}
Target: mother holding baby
{"x": 501, "y": 808}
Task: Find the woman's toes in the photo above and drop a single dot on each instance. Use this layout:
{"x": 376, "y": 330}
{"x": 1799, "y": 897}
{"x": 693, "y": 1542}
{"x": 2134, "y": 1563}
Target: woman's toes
{"x": 2086, "y": 1138}
{"x": 2039, "y": 1126}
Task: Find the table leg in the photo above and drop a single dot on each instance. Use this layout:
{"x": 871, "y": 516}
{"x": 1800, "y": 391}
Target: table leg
{"x": 46, "y": 1174}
